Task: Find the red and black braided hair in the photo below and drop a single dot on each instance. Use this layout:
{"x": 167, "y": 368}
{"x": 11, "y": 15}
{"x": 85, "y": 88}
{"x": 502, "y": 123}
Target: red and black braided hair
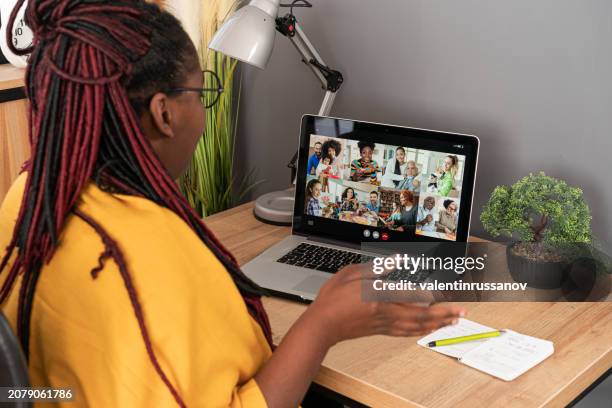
{"x": 94, "y": 65}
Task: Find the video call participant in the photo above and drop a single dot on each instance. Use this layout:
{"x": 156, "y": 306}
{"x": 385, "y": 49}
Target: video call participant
{"x": 373, "y": 204}
{"x": 313, "y": 161}
{"x": 331, "y": 148}
{"x": 425, "y": 215}
{"x": 349, "y": 201}
{"x": 326, "y": 170}
{"x": 408, "y": 212}
{"x": 111, "y": 281}
{"x": 364, "y": 168}
{"x": 447, "y": 181}
{"x": 313, "y": 192}
{"x": 395, "y": 214}
{"x": 432, "y": 183}
{"x": 395, "y": 169}
{"x": 324, "y": 166}
{"x": 447, "y": 218}
{"x": 411, "y": 182}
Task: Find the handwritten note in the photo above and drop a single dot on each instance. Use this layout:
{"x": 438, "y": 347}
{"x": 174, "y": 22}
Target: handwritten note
{"x": 506, "y": 357}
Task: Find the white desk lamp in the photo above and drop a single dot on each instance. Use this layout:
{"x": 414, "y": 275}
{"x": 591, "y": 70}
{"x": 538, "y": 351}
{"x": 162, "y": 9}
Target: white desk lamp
{"x": 248, "y": 36}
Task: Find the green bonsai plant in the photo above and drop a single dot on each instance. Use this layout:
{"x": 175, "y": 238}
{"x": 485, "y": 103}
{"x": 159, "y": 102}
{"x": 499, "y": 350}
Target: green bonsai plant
{"x": 551, "y": 220}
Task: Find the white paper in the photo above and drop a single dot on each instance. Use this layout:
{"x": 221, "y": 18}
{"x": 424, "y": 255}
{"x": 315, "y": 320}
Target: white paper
{"x": 464, "y": 327}
{"x": 508, "y": 355}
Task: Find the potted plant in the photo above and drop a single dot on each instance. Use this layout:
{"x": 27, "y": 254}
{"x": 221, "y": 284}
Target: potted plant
{"x": 211, "y": 183}
{"x": 551, "y": 221}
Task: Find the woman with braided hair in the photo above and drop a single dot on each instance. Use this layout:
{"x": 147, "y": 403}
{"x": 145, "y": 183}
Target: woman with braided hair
{"x": 113, "y": 285}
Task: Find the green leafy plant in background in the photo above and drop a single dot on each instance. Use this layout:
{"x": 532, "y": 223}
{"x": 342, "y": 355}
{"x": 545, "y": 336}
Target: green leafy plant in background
{"x": 538, "y": 208}
{"x": 549, "y": 217}
{"x": 210, "y": 183}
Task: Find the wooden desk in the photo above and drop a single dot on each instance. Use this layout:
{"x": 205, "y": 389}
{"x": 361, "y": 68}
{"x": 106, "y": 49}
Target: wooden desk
{"x": 394, "y": 372}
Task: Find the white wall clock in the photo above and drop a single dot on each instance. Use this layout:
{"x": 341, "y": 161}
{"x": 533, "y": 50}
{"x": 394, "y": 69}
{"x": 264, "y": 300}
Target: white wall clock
{"x": 21, "y": 35}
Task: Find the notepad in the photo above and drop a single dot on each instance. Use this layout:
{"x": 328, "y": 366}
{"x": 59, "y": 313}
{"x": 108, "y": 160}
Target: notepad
{"x": 505, "y": 357}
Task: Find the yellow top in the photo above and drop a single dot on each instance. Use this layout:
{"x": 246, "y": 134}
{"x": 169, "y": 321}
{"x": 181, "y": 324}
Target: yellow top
{"x": 84, "y": 334}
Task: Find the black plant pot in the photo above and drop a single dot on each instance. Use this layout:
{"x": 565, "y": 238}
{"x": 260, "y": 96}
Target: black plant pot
{"x": 537, "y": 274}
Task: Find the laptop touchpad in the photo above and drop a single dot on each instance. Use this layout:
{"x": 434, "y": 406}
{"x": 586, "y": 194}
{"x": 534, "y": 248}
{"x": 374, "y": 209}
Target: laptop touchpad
{"x": 311, "y": 284}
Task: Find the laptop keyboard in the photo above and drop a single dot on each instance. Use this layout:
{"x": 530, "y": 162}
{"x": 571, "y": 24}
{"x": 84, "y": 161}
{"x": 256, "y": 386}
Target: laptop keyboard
{"x": 322, "y": 258}
{"x": 418, "y": 276}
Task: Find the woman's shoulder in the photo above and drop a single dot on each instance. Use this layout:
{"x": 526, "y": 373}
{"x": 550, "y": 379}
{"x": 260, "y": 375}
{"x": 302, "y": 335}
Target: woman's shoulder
{"x": 154, "y": 240}
{"x": 162, "y": 255}
{"x": 121, "y": 211}
{"x": 9, "y": 210}
{"x": 12, "y": 200}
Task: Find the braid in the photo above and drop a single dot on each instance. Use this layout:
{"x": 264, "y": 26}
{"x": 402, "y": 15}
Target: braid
{"x": 94, "y": 65}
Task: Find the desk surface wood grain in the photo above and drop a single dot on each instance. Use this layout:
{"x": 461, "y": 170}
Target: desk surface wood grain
{"x": 394, "y": 372}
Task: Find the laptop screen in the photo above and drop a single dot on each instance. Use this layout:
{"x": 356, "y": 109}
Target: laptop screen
{"x": 373, "y": 182}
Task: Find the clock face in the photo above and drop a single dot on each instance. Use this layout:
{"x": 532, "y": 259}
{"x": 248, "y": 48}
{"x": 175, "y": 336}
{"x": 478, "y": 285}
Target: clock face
{"x": 21, "y": 35}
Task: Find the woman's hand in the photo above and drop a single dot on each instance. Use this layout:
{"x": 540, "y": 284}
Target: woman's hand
{"x": 344, "y": 315}
{"x": 339, "y": 313}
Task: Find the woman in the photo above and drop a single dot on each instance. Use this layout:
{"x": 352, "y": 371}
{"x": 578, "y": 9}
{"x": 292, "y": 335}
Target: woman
{"x": 447, "y": 181}
{"x": 331, "y": 148}
{"x": 395, "y": 169}
{"x": 411, "y": 182}
{"x": 313, "y": 192}
{"x": 349, "y": 201}
{"x": 364, "y": 168}
{"x": 447, "y": 218}
{"x": 114, "y": 285}
{"x": 408, "y": 211}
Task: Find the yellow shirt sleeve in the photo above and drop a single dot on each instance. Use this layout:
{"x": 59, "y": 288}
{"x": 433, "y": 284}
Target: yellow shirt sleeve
{"x": 84, "y": 333}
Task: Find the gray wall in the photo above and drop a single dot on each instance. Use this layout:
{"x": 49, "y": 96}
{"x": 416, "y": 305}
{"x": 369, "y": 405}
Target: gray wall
{"x": 533, "y": 79}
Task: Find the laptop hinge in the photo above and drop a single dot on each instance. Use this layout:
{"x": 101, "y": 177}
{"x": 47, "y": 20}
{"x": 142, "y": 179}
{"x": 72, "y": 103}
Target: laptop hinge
{"x": 336, "y": 242}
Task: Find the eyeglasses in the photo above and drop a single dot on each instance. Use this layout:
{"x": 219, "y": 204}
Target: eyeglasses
{"x": 210, "y": 93}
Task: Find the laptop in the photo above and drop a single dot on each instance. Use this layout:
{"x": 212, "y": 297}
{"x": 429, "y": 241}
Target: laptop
{"x": 362, "y": 183}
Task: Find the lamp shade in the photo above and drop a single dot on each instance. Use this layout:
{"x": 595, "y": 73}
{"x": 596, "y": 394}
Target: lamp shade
{"x": 248, "y": 33}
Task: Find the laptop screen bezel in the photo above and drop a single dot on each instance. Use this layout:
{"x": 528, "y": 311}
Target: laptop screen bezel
{"x": 451, "y": 143}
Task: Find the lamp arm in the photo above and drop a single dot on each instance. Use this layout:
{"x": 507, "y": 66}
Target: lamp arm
{"x": 330, "y": 79}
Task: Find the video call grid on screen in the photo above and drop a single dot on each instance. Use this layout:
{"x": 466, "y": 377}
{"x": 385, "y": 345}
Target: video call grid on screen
{"x": 389, "y": 187}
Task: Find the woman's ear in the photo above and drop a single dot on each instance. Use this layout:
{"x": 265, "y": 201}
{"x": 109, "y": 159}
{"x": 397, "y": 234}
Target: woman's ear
{"x": 161, "y": 114}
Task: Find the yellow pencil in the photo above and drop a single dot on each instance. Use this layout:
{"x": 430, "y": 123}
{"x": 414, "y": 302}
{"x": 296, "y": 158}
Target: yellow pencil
{"x": 461, "y": 339}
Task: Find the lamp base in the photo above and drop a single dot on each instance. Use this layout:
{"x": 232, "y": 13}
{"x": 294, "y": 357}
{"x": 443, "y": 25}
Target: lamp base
{"x": 275, "y": 207}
